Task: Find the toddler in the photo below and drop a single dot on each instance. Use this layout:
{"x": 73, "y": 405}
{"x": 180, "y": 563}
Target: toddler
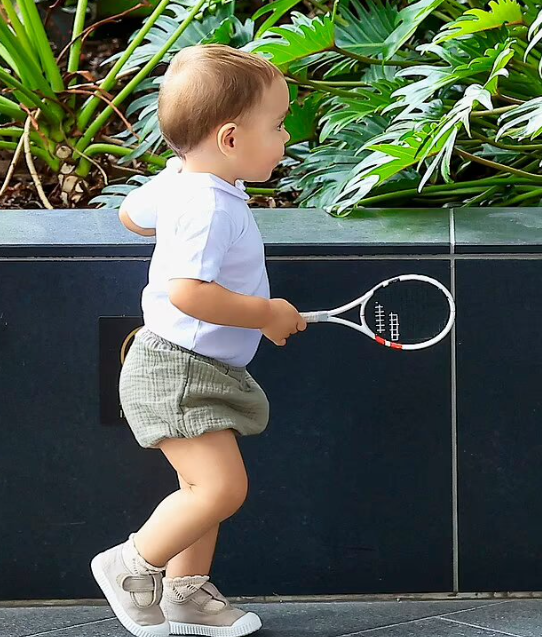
{"x": 184, "y": 387}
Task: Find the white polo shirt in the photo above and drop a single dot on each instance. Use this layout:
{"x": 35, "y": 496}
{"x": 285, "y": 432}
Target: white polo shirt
{"x": 204, "y": 231}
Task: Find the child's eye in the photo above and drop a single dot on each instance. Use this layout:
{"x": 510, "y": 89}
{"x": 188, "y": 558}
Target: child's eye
{"x": 281, "y": 125}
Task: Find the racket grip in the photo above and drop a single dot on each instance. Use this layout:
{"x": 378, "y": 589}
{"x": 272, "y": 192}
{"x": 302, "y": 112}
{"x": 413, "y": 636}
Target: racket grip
{"x": 315, "y": 317}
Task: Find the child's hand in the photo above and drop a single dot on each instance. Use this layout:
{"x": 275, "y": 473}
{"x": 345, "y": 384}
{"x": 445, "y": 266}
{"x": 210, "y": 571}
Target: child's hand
{"x": 284, "y": 321}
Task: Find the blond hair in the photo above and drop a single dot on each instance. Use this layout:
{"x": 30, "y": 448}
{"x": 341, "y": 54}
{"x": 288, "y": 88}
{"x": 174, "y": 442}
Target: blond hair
{"x": 206, "y": 86}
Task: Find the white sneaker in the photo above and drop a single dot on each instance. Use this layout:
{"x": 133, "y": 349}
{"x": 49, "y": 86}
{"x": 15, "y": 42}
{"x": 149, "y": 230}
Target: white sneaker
{"x": 133, "y": 596}
{"x": 194, "y": 606}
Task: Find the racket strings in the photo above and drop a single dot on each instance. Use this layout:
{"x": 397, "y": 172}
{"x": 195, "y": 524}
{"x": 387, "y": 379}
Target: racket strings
{"x": 407, "y": 312}
{"x": 380, "y": 318}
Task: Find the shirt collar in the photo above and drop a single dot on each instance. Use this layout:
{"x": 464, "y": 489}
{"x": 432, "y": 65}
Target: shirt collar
{"x": 208, "y": 179}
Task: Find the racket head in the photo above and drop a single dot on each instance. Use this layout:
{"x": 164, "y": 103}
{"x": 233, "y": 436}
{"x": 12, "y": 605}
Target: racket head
{"x": 409, "y": 312}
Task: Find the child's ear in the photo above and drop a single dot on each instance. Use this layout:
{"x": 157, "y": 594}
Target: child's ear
{"x": 226, "y": 138}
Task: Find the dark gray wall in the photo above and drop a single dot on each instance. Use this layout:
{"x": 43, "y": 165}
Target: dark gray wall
{"x": 353, "y": 485}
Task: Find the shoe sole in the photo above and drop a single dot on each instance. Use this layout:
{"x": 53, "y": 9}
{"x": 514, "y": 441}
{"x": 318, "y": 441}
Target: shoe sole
{"x": 246, "y": 625}
{"x": 161, "y": 630}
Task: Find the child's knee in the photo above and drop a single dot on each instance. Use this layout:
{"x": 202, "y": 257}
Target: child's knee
{"x": 227, "y": 497}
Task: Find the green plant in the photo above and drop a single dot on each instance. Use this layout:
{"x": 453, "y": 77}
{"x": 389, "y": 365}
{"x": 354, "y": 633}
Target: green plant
{"x": 57, "y": 113}
{"x": 437, "y": 103}
{"x": 419, "y": 102}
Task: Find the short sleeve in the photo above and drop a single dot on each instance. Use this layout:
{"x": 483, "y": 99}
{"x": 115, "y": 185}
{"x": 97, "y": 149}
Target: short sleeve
{"x": 141, "y": 204}
{"x": 200, "y": 245}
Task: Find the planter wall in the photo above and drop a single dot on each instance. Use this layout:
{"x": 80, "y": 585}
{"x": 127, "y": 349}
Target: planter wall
{"x": 381, "y": 471}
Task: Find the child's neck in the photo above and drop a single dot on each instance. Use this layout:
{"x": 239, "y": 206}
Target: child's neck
{"x": 200, "y": 164}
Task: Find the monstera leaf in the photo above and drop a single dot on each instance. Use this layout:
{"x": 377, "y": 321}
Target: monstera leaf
{"x": 367, "y": 27}
{"x": 384, "y": 162}
{"x": 409, "y": 20}
{"x": 277, "y": 10}
{"x": 523, "y": 122}
{"x": 343, "y": 111}
{"x": 302, "y": 119}
{"x": 500, "y": 12}
{"x": 292, "y": 42}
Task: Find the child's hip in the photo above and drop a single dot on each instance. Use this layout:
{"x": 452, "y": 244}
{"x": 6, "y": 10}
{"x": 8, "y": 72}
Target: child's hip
{"x": 167, "y": 391}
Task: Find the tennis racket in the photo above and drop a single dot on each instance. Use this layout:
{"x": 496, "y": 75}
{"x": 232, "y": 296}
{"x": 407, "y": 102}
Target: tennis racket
{"x": 409, "y": 312}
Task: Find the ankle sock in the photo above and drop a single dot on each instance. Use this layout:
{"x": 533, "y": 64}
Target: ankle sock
{"x": 133, "y": 560}
{"x": 178, "y": 589}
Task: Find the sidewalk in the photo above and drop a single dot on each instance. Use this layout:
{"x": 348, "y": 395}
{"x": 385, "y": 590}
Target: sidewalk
{"x": 449, "y": 618}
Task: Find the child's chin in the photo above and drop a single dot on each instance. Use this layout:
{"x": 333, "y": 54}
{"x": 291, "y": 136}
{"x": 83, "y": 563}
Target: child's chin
{"x": 261, "y": 178}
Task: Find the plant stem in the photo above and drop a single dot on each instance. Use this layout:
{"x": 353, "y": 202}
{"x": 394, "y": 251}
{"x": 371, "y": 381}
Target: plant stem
{"x": 533, "y": 70}
{"x": 366, "y": 60}
{"x": 495, "y": 111}
{"x": 345, "y": 83}
{"x": 321, "y": 86}
{"x": 111, "y": 78}
{"x": 461, "y": 7}
{"x": 52, "y": 162}
{"x": 520, "y": 44}
{"x": 104, "y": 116}
{"x": 12, "y": 165}
{"x": 444, "y": 188}
{"x": 18, "y": 26}
{"x": 460, "y": 191}
{"x": 13, "y": 131}
{"x": 75, "y": 49}
{"x": 454, "y": 8}
{"x": 34, "y": 26}
{"x": 488, "y": 124}
{"x": 511, "y": 100}
{"x": 327, "y": 11}
{"x": 487, "y": 192}
{"x": 537, "y": 192}
{"x": 516, "y": 147}
{"x": 25, "y": 64}
{"x": 269, "y": 192}
{"x": 32, "y": 99}
{"x": 434, "y": 193}
{"x": 496, "y": 166}
{"x": 532, "y": 164}
{"x": 30, "y": 162}
{"x": 112, "y": 149}
{"x": 11, "y": 109}
{"x": 442, "y": 16}
{"x": 321, "y": 7}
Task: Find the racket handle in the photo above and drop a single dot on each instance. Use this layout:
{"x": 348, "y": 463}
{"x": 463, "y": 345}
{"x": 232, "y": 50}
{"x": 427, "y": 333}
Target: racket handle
{"x": 315, "y": 317}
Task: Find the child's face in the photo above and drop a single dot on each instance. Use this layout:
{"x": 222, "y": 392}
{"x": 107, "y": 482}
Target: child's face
{"x": 261, "y": 138}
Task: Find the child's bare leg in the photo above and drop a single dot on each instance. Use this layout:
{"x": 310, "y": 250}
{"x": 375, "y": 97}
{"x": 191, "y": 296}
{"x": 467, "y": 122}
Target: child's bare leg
{"x": 215, "y": 473}
{"x": 196, "y": 559}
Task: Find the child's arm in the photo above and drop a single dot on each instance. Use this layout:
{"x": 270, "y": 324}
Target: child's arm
{"x": 138, "y": 211}
{"x": 127, "y": 222}
{"x": 212, "y": 303}
{"x": 197, "y": 251}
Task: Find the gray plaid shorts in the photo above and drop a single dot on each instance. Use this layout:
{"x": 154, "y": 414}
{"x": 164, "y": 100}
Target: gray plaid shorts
{"x": 167, "y": 391}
